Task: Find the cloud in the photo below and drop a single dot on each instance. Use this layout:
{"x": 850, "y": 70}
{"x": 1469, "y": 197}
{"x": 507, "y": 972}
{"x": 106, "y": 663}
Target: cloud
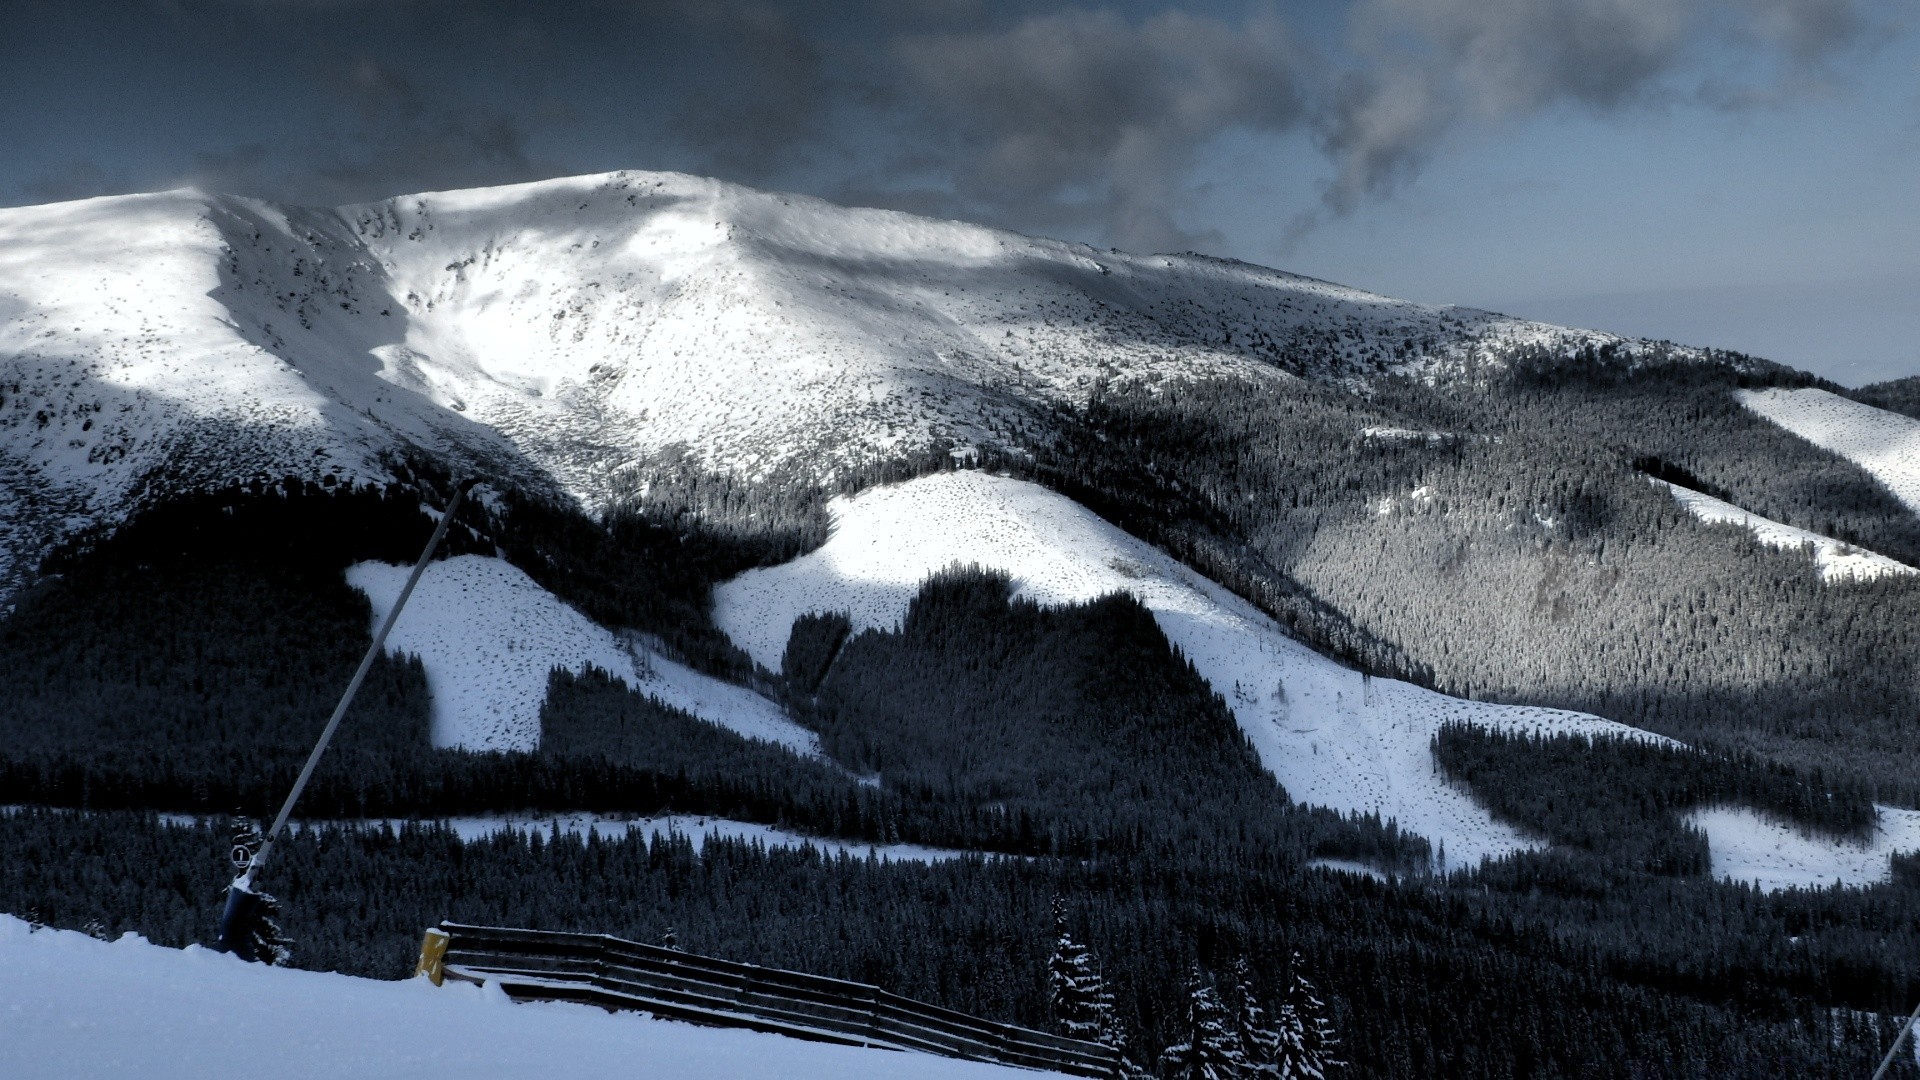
{"x": 1087, "y": 121}
{"x": 1423, "y": 65}
{"x": 394, "y": 137}
{"x": 1083, "y": 115}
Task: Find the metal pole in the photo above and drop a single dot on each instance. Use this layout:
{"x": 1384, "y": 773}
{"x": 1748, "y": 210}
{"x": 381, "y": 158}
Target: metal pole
{"x": 245, "y": 881}
{"x": 1887, "y": 1062}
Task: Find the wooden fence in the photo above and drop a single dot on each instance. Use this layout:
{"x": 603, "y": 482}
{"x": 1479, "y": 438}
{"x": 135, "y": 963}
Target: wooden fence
{"x": 542, "y": 965}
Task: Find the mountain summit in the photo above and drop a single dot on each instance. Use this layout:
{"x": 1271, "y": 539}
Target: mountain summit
{"x": 559, "y": 332}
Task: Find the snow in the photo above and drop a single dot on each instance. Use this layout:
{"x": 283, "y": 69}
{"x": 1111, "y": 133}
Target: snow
{"x": 490, "y": 637}
{"x": 555, "y": 334}
{"x": 1884, "y": 443}
{"x": 1836, "y": 561}
{"x": 1348, "y": 866}
{"x": 1332, "y": 736}
{"x": 76, "y": 1008}
{"x": 1749, "y": 846}
{"x": 698, "y": 829}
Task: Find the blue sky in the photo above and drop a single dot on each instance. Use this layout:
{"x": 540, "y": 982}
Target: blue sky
{"x": 1739, "y": 173}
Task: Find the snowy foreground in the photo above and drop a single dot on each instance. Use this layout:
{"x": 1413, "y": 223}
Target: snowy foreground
{"x": 75, "y": 1008}
{"x": 1836, "y": 561}
{"x": 489, "y": 638}
{"x": 1333, "y": 737}
{"x": 1884, "y": 443}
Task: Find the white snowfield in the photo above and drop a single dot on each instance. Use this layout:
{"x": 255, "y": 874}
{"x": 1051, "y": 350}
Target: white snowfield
{"x": 1884, "y": 443}
{"x": 489, "y": 637}
{"x": 1836, "y": 561}
{"x": 1331, "y": 736}
{"x": 1749, "y": 846}
{"x": 555, "y": 333}
{"x": 74, "y": 1008}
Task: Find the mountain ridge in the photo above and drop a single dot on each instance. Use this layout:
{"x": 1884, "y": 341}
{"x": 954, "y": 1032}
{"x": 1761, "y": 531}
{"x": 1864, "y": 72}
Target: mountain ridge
{"x": 562, "y": 333}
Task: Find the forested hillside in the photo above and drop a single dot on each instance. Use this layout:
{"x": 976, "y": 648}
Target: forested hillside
{"x": 1256, "y": 500}
{"x": 1504, "y": 540}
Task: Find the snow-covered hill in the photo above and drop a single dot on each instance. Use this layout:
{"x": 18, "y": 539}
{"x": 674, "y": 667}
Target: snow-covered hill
{"x": 556, "y": 333}
{"x": 1836, "y": 561}
{"x": 78, "y": 1009}
{"x": 1886, "y": 444}
{"x": 1332, "y": 736}
{"x": 489, "y": 637}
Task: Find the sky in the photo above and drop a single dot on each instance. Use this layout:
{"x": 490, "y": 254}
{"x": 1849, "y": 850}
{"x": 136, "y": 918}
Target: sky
{"x": 1736, "y": 173}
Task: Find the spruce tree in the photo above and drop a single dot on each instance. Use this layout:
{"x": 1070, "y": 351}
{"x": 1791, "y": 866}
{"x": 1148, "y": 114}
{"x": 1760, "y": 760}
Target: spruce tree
{"x": 1261, "y": 1037}
{"x": 1309, "y": 1046}
{"x": 1211, "y": 1050}
{"x": 1078, "y": 995}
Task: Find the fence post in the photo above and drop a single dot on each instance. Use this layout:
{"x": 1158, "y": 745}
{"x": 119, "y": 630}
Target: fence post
{"x": 433, "y": 956}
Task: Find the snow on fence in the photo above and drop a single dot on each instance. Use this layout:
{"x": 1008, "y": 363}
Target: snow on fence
{"x": 543, "y": 965}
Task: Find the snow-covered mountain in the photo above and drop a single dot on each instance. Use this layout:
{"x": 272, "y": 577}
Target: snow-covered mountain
{"x": 557, "y": 333}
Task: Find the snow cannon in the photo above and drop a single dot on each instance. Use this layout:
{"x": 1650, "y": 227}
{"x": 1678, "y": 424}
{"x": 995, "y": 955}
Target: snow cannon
{"x": 247, "y": 929}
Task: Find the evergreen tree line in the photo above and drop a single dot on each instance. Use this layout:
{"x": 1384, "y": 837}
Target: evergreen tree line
{"x": 1520, "y": 555}
{"x": 1081, "y": 715}
{"x": 1621, "y": 798}
{"x": 1895, "y": 395}
{"x": 1415, "y": 980}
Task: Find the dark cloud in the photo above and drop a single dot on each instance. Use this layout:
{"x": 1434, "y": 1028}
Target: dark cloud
{"x": 1042, "y": 116}
{"x": 1426, "y": 64}
{"x": 393, "y": 137}
{"x": 1086, "y": 114}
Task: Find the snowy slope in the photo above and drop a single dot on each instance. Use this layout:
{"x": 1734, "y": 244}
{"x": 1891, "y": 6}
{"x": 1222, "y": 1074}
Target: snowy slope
{"x": 1749, "y": 846}
{"x": 1333, "y": 737}
{"x": 1837, "y": 561}
{"x": 489, "y": 637}
{"x": 1884, "y": 443}
{"x": 554, "y": 334}
{"x": 79, "y": 1009}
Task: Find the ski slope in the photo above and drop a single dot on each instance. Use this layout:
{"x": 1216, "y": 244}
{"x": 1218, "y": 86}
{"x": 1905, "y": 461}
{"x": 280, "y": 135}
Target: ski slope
{"x": 490, "y": 637}
{"x": 559, "y": 334}
{"x": 1746, "y": 845}
{"x": 1331, "y": 736}
{"x": 74, "y": 1008}
{"x": 1884, "y": 443}
{"x": 1836, "y": 561}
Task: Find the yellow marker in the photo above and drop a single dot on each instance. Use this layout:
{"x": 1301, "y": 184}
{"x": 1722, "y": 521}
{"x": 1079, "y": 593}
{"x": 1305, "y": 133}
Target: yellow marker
{"x": 433, "y": 956}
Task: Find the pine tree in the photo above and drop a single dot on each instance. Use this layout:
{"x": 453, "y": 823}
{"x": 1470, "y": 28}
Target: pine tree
{"x": 1078, "y": 995}
{"x": 1308, "y": 1045}
{"x": 1212, "y": 1047}
{"x": 1261, "y": 1038}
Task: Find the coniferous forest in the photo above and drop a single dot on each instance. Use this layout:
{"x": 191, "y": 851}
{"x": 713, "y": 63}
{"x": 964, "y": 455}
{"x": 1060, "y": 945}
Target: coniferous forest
{"x": 1515, "y": 550}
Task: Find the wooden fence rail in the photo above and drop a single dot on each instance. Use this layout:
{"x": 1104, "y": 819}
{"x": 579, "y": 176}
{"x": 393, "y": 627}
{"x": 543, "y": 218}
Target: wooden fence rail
{"x": 545, "y": 965}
